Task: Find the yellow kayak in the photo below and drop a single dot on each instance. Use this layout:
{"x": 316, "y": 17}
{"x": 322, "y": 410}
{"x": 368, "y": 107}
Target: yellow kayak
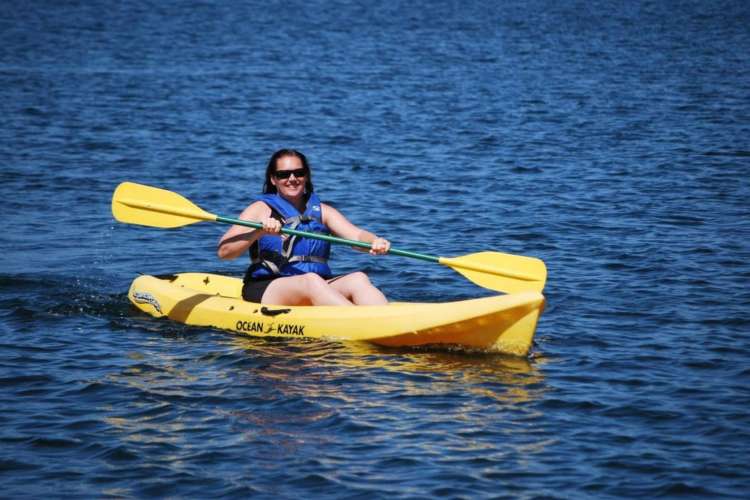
{"x": 503, "y": 323}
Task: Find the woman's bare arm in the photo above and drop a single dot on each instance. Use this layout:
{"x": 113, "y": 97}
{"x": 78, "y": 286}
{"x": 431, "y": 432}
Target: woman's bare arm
{"x": 238, "y": 239}
{"x": 340, "y": 226}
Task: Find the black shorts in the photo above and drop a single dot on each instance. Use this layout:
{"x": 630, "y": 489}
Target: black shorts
{"x": 253, "y": 289}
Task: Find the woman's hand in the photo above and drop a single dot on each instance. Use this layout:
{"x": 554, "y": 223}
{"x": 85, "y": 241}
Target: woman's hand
{"x": 271, "y": 225}
{"x": 379, "y": 246}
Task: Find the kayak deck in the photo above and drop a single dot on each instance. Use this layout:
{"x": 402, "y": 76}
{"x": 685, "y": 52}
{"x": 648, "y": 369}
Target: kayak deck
{"x": 504, "y": 323}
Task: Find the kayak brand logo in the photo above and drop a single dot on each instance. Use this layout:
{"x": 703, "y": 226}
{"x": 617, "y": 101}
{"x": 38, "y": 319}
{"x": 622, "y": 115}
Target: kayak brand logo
{"x": 270, "y": 329}
{"x": 285, "y": 329}
{"x": 147, "y": 298}
{"x": 250, "y": 326}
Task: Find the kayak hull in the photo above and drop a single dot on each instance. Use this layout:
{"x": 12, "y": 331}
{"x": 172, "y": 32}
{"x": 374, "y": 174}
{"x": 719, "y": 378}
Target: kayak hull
{"x": 504, "y": 323}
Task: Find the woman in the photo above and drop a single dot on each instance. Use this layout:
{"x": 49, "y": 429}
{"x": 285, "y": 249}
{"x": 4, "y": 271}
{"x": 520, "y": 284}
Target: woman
{"x": 294, "y": 270}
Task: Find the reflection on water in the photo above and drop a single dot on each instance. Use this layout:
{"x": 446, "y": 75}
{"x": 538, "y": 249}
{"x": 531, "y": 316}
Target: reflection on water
{"x": 279, "y": 399}
{"x": 349, "y": 390}
{"x": 502, "y": 378}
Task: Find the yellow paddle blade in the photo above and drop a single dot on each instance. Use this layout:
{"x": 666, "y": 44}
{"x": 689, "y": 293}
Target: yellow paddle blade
{"x": 500, "y": 271}
{"x": 149, "y": 206}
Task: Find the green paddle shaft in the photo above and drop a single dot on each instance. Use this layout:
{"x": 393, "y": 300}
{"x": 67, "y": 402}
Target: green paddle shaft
{"x": 325, "y": 237}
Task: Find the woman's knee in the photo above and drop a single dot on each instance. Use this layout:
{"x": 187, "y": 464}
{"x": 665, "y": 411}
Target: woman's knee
{"x": 313, "y": 281}
{"x": 359, "y": 278}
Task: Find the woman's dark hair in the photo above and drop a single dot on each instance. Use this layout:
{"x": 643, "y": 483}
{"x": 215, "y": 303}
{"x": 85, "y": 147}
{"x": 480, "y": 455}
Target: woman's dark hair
{"x": 269, "y": 188}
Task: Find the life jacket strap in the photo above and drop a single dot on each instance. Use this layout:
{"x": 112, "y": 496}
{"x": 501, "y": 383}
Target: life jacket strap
{"x": 274, "y": 262}
{"x": 309, "y": 258}
{"x": 295, "y": 258}
{"x": 292, "y": 223}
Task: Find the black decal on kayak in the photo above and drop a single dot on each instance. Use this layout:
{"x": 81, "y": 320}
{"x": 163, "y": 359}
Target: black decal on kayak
{"x": 147, "y": 298}
{"x": 167, "y": 277}
{"x": 273, "y": 312}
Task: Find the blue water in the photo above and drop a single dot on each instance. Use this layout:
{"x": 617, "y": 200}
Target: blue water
{"x": 611, "y": 139}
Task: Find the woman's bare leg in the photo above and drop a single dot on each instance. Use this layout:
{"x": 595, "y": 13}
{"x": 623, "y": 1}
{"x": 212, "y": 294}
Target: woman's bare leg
{"x": 305, "y": 289}
{"x": 358, "y": 289}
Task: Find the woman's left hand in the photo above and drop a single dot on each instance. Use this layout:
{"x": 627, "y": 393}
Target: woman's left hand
{"x": 380, "y": 246}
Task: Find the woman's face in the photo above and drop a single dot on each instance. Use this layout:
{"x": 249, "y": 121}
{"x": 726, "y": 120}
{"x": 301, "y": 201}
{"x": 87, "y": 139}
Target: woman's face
{"x": 289, "y": 177}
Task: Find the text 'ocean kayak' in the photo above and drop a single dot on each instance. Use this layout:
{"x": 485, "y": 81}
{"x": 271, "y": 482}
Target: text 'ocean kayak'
{"x": 504, "y": 323}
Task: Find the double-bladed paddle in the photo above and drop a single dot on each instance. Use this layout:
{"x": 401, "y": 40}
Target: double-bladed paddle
{"x": 149, "y": 206}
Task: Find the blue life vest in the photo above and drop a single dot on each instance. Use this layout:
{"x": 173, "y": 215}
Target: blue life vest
{"x": 292, "y": 255}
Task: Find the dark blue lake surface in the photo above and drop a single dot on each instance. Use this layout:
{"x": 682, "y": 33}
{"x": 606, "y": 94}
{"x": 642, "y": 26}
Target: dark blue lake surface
{"x": 610, "y": 139}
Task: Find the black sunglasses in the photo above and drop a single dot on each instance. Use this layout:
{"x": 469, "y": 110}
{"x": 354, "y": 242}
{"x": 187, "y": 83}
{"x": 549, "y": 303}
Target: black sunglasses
{"x": 285, "y": 174}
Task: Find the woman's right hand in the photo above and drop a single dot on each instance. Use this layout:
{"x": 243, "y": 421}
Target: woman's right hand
{"x": 271, "y": 225}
